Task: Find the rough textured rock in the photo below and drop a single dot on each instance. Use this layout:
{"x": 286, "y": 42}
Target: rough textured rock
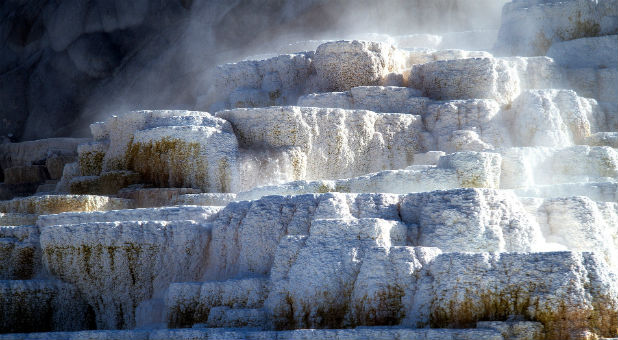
{"x": 153, "y": 143}
{"x": 208, "y": 199}
{"x": 70, "y": 171}
{"x": 28, "y": 153}
{"x": 156, "y": 197}
{"x": 553, "y": 118}
{"x": 108, "y": 183}
{"x": 8, "y": 219}
{"x": 467, "y": 79}
{"x": 342, "y": 65}
{"x": 580, "y": 224}
{"x": 24, "y": 166}
{"x": 377, "y": 225}
{"x": 481, "y": 116}
{"x": 559, "y": 289}
{"x": 19, "y": 246}
{"x": 177, "y": 213}
{"x": 194, "y": 302}
{"x": 599, "y": 84}
{"x": 338, "y": 142}
{"x": 377, "y": 211}
{"x": 41, "y": 305}
{"x": 538, "y": 72}
{"x": 368, "y": 256}
{"x": 529, "y": 167}
{"x": 374, "y": 98}
{"x": 53, "y": 204}
{"x": 299, "y": 334}
{"x": 130, "y": 261}
{"x": 25, "y": 174}
{"x": 255, "y": 83}
{"x": 55, "y": 164}
{"x": 515, "y": 330}
{"x": 602, "y": 139}
{"x": 597, "y": 191}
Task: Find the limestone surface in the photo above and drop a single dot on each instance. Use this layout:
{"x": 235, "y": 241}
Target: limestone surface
{"x": 274, "y": 81}
{"x": 53, "y": 204}
{"x": 128, "y": 261}
{"x": 405, "y": 186}
{"x": 152, "y": 143}
{"x": 332, "y": 142}
{"x": 374, "y": 98}
{"x": 41, "y": 305}
{"x": 467, "y": 79}
{"x": 342, "y": 65}
{"x": 553, "y": 118}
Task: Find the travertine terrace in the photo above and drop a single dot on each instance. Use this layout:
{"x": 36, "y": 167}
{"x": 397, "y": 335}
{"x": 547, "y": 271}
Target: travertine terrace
{"x": 364, "y": 189}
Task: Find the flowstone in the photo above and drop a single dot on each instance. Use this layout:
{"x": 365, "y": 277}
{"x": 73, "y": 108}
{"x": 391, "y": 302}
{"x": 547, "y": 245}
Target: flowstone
{"x": 392, "y": 188}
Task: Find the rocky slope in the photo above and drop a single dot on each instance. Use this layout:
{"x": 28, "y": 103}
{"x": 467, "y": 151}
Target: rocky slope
{"x": 367, "y": 189}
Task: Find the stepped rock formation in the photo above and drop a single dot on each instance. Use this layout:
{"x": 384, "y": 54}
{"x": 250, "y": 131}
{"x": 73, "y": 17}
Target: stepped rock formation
{"x": 392, "y": 189}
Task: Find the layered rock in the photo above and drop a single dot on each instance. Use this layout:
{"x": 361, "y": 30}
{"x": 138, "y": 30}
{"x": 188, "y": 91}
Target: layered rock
{"x": 128, "y": 261}
{"x": 553, "y": 118}
{"x": 53, "y": 204}
{"x": 377, "y": 99}
{"x": 24, "y": 166}
{"x": 528, "y": 167}
{"x": 562, "y": 290}
{"x": 461, "y": 169}
{"x": 593, "y": 52}
{"x": 331, "y": 142}
{"x": 375, "y": 211}
{"x": 299, "y": 334}
{"x": 274, "y": 81}
{"x": 19, "y": 247}
{"x": 342, "y": 65}
{"x": 41, "y": 305}
{"x": 152, "y": 143}
{"x": 466, "y": 79}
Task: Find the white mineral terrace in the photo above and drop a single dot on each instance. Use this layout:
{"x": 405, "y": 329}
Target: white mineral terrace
{"x": 362, "y": 190}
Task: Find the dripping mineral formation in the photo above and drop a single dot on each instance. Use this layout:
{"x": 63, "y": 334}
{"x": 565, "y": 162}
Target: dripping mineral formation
{"x": 395, "y": 189}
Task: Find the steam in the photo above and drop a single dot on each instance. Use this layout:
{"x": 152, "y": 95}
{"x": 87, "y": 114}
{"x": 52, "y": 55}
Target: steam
{"x": 173, "y": 68}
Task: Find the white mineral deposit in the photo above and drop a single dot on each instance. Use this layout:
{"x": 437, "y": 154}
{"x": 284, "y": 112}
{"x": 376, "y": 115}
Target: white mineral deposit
{"x": 439, "y": 184}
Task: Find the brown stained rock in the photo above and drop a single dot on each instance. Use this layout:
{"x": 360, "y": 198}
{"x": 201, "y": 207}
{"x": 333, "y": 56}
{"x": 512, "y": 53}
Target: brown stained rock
{"x": 155, "y": 197}
{"x": 108, "y": 183}
{"x": 25, "y": 174}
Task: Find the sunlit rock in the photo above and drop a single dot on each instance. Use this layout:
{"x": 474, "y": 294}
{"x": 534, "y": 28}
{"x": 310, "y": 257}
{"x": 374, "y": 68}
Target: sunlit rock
{"x": 487, "y": 78}
{"x": 53, "y": 204}
{"x": 422, "y": 186}
{"x": 159, "y": 145}
{"x": 374, "y": 98}
{"x": 255, "y": 83}
{"x": 335, "y": 142}
{"x": 342, "y": 65}
{"x": 560, "y": 289}
{"x": 552, "y": 118}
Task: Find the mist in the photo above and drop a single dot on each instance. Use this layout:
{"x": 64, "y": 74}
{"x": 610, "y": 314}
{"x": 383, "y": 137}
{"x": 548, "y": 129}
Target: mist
{"x": 66, "y": 64}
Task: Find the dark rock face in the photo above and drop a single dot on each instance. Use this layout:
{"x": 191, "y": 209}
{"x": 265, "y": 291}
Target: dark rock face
{"x": 64, "y": 63}
{"x": 25, "y": 166}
